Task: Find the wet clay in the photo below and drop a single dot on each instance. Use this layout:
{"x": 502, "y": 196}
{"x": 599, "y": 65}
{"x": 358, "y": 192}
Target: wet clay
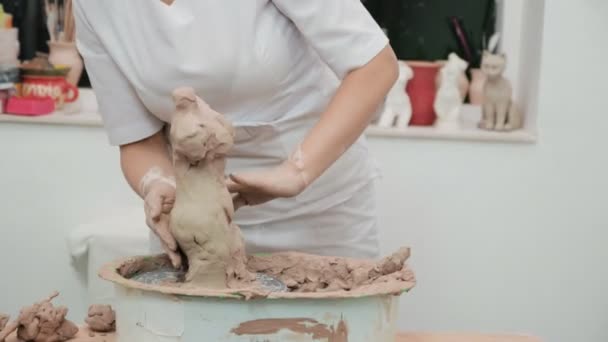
{"x": 302, "y": 326}
{"x": 101, "y": 318}
{"x": 42, "y": 322}
{"x": 311, "y": 273}
{"x": 201, "y": 219}
{"x": 308, "y": 276}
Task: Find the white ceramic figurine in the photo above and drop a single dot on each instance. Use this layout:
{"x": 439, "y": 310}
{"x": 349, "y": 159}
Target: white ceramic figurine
{"x": 398, "y": 110}
{"x": 448, "y": 101}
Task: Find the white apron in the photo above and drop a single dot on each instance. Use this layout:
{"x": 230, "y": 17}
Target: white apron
{"x": 336, "y": 215}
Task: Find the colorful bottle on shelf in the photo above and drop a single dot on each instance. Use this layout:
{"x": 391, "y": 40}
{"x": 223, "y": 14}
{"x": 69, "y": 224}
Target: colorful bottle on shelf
{"x": 421, "y": 90}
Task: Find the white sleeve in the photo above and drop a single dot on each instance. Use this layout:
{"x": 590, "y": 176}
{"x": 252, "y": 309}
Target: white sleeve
{"x": 342, "y": 32}
{"x": 124, "y": 116}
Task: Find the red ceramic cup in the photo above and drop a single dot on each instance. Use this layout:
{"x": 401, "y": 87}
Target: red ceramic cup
{"x": 55, "y": 87}
{"x": 422, "y": 89}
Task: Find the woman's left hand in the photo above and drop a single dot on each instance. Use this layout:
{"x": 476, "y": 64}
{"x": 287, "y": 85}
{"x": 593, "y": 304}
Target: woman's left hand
{"x": 360, "y": 94}
{"x": 257, "y": 187}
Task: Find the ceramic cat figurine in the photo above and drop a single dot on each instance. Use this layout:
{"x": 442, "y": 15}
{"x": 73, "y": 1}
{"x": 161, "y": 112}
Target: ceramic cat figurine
{"x": 499, "y": 112}
{"x": 398, "y": 105}
{"x": 448, "y": 101}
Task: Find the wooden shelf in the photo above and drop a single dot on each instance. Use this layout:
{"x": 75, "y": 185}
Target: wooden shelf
{"x": 462, "y": 134}
{"x": 81, "y": 113}
{"x": 85, "y": 113}
{"x": 467, "y": 131}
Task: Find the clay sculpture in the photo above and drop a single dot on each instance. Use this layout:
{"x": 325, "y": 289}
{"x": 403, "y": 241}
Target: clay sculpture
{"x": 101, "y": 318}
{"x": 201, "y": 219}
{"x": 398, "y": 110}
{"x": 499, "y": 112}
{"x": 42, "y": 322}
{"x": 448, "y": 102}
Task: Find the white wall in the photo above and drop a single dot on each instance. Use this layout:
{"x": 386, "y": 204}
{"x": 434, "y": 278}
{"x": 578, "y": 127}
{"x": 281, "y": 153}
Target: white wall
{"x": 505, "y": 237}
{"x": 510, "y": 25}
{"x": 513, "y": 238}
{"x": 52, "y": 179}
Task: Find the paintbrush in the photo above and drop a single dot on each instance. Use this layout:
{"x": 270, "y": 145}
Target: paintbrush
{"x": 461, "y": 37}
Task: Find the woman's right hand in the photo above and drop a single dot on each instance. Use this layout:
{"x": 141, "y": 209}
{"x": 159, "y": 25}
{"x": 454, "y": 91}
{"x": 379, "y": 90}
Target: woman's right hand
{"x": 159, "y": 197}
{"x": 148, "y": 169}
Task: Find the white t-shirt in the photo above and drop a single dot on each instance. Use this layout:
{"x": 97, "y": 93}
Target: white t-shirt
{"x": 255, "y": 61}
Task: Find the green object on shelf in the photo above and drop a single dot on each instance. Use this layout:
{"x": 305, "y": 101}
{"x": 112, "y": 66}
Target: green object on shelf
{"x": 420, "y": 29}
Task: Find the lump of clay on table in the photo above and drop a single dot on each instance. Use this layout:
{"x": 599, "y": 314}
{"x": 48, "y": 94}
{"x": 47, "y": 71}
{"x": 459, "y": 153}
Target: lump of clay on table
{"x": 42, "y": 322}
{"x": 101, "y": 318}
{"x": 201, "y": 218}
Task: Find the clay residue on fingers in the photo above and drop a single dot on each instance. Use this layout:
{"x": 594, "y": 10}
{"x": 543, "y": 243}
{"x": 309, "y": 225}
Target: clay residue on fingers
{"x": 101, "y": 318}
{"x": 309, "y": 276}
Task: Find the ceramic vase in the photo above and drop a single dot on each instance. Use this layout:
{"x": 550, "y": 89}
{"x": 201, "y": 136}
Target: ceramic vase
{"x": 421, "y": 90}
{"x": 66, "y": 54}
{"x": 478, "y": 79}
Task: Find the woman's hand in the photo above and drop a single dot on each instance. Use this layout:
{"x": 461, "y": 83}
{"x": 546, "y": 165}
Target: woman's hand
{"x": 159, "y": 197}
{"x": 348, "y": 114}
{"x": 257, "y": 187}
{"x": 148, "y": 169}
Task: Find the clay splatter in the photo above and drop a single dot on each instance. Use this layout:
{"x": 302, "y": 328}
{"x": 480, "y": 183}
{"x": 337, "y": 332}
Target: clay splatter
{"x": 303, "y": 326}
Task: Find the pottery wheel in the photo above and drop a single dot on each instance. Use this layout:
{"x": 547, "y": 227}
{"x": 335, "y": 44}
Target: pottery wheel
{"x": 166, "y": 275}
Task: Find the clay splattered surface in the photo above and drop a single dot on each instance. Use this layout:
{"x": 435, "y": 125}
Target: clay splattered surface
{"x": 300, "y": 326}
{"x": 312, "y": 273}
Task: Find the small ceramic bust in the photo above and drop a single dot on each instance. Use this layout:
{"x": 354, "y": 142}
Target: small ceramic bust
{"x": 398, "y": 110}
{"x": 448, "y": 101}
{"x": 499, "y": 112}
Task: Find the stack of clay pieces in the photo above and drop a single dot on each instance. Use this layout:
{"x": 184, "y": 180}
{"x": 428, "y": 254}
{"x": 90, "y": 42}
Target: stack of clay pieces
{"x": 44, "y": 322}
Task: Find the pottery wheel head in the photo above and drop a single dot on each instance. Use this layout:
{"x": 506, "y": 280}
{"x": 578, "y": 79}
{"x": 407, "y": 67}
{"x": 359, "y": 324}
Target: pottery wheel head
{"x": 270, "y": 283}
{"x": 167, "y": 275}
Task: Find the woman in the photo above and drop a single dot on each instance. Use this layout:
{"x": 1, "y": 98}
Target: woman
{"x": 299, "y": 80}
